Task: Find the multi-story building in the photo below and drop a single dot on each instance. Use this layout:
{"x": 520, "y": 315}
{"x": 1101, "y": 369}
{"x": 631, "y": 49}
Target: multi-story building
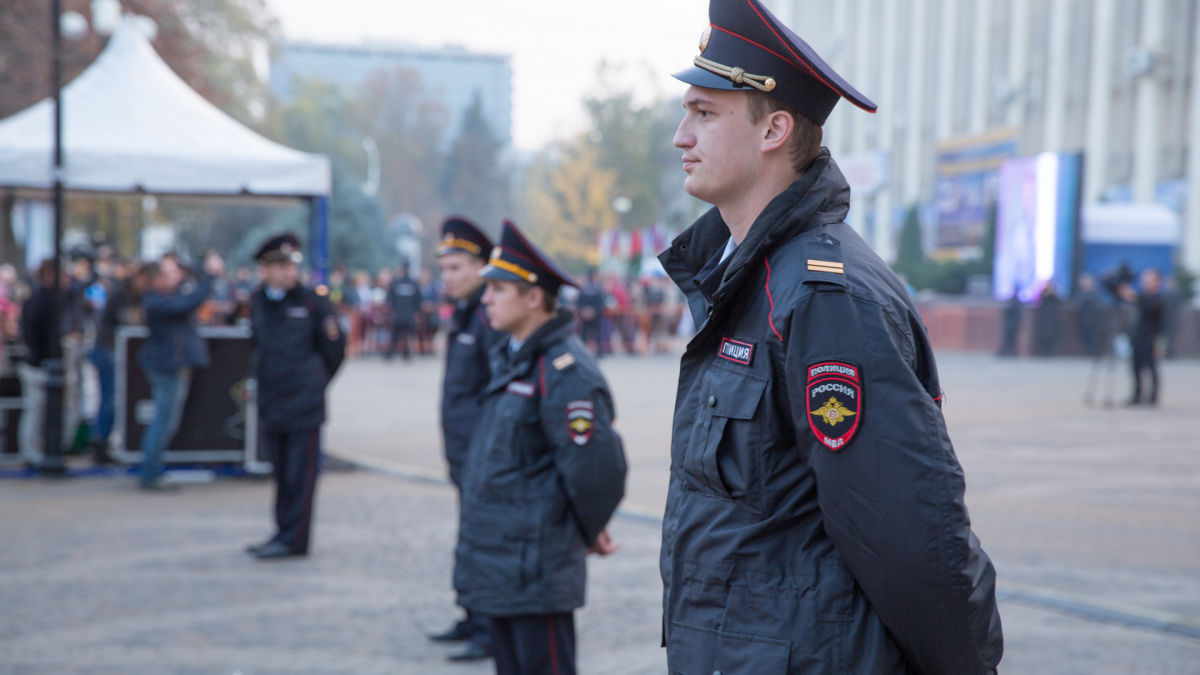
{"x": 452, "y": 75}
{"x": 963, "y": 84}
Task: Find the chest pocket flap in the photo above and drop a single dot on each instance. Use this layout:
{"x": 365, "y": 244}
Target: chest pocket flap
{"x": 722, "y": 460}
{"x": 737, "y": 397}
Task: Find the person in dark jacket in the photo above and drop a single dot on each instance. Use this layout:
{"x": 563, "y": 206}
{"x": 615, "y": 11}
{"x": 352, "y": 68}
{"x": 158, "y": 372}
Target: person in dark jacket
{"x": 1011, "y": 317}
{"x": 298, "y": 345}
{"x": 172, "y": 350}
{"x": 815, "y": 519}
{"x": 590, "y": 305}
{"x": 404, "y": 300}
{"x": 545, "y": 470}
{"x": 123, "y": 307}
{"x": 1151, "y": 318}
{"x": 464, "y": 250}
{"x": 37, "y": 332}
{"x": 1047, "y": 321}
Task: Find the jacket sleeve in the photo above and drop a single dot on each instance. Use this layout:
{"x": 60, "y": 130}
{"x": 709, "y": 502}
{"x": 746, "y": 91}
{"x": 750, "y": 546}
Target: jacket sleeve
{"x": 892, "y": 497}
{"x": 576, "y": 417}
{"x": 331, "y": 341}
{"x": 178, "y": 304}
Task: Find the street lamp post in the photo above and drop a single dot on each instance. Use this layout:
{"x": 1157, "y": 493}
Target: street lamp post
{"x": 52, "y": 461}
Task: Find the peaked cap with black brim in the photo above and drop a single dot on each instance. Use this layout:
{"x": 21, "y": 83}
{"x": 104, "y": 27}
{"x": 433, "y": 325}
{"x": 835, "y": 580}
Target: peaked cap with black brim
{"x": 747, "y": 47}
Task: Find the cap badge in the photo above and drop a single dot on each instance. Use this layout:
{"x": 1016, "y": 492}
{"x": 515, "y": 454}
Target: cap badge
{"x": 704, "y": 38}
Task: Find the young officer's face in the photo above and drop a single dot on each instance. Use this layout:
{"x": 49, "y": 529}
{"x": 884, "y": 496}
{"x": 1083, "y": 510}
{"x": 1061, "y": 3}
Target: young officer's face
{"x": 508, "y": 310}
{"x": 460, "y": 274}
{"x": 283, "y": 275}
{"x": 721, "y": 147}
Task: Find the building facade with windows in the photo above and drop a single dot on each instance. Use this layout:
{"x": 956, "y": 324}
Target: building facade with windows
{"x": 452, "y": 75}
{"x": 962, "y": 85}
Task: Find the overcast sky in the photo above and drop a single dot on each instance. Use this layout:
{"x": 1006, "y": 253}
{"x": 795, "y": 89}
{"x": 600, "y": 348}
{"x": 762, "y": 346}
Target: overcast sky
{"x": 555, "y": 44}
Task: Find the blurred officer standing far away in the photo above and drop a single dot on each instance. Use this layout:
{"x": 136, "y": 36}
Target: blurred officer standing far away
{"x": 545, "y": 470}
{"x": 463, "y": 252}
{"x": 298, "y": 346}
{"x": 1147, "y": 332}
{"x": 815, "y": 518}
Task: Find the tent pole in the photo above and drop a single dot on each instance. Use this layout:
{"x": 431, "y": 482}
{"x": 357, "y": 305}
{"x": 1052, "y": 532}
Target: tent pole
{"x": 318, "y": 238}
{"x": 52, "y": 462}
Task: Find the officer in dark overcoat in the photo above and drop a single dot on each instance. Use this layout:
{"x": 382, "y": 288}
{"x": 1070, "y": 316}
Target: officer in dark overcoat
{"x": 463, "y": 251}
{"x": 545, "y": 470}
{"x": 298, "y": 346}
{"x": 815, "y": 520}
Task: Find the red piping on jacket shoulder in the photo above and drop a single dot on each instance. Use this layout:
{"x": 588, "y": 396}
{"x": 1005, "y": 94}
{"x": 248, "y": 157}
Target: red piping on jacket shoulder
{"x": 770, "y": 316}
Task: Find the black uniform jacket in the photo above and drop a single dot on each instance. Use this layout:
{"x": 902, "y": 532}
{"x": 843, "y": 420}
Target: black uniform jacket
{"x": 544, "y": 474}
{"x": 815, "y": 520}
{"x": 467, "y": 373}
{"x": 298, "y": 346}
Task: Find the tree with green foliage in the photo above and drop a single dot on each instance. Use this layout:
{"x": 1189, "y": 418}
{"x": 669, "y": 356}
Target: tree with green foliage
{"x": 211, "y": 44}
{"x": 407, "y": 123}
{"x": 634, "y": 140}
{"x": 910, "y": 253}
{"x": 475, "y": 181}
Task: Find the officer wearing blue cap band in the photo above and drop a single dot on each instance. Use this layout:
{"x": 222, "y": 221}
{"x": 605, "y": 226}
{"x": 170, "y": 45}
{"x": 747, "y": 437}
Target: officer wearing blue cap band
{"x": 815, "y": 520}
{"x": 545, "y": 470}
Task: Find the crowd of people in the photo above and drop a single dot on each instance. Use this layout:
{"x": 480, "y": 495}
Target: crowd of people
{"x": 1122, "y": 316}
{"x": 386, "y": 314}
{"x": 391, "y": 312}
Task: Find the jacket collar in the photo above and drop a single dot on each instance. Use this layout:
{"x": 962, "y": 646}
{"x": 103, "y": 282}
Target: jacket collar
{"x": 507, "y": 366}
{"x": 464, "y": 310}
{"x": 819, "y": 197}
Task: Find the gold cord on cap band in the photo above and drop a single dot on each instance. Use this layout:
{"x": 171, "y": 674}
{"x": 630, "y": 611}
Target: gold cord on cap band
{"x": 514, "y": 269}
{"x": 736, "y": 75}
{"x": 451, "y": 242}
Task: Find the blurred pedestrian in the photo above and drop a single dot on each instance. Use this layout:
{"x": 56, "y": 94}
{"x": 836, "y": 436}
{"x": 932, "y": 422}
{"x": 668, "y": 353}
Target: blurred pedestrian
{"x": 545, "y": 471}
{"x": 404, "y": 300}
{"x": 590, "y": 305}
{"x": 428, "y": 321}
{"x": 1011, "y": 319}
{"x": 298, "y": 346}
{"x": 1089, "y": 309}
{"x": 38, "y": 333}
{"x": 814, "y": 518}
{"x": 463, "y": 252}
{"x": 1098, "y": 319}
{"x": 1047, "y": 321}
{"x": 123, "y": 308}
{"x": 1148, "y": 330}
{"x": 171, "y": 351}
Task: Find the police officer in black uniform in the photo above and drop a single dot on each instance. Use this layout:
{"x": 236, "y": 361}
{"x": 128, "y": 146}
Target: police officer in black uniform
{"x": 815, "y": 520}
{"x": 463, "y": 252}
{"x": 545, "y": 470}
{"x": 298, "y": 346}
{"x": 404, "y": 299}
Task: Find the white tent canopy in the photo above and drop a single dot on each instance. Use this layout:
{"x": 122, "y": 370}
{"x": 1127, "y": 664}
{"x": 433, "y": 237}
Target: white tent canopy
{"x": 130, "y": 123}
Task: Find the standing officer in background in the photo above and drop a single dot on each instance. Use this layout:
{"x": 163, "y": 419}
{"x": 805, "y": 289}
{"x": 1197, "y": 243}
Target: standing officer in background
{"x": 404, "y": 299}
{"x": 298, "y": 346}
{"x": 1151, "y": 315}
{"x": 461, "y": 255}
{"x": 545, "y": 470}
{"x": 815, "y": 518}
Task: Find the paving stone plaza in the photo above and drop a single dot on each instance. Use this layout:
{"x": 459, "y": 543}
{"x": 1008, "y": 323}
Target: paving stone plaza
{"x": 1091, "y": 514}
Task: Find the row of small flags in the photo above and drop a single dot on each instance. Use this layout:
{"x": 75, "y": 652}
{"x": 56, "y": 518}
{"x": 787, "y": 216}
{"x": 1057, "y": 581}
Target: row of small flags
{"x": 636, "y": 243}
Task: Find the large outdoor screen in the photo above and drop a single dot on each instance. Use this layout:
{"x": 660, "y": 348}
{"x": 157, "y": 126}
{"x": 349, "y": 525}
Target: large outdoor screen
{"x": 1037, "y": 214}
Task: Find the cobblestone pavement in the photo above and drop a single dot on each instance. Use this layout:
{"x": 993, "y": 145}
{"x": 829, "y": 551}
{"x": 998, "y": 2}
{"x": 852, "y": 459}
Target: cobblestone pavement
{"x": 1090, "y": 509}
